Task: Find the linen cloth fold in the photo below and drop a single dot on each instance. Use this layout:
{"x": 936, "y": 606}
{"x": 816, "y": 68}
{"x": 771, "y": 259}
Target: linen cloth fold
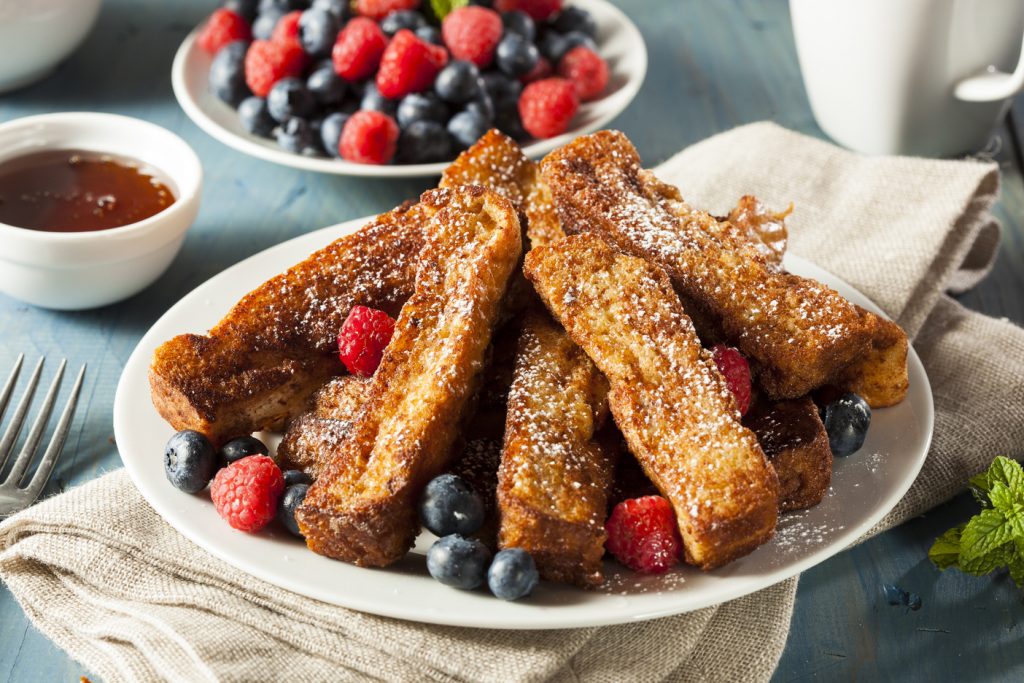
{"x": 99, "y": 572}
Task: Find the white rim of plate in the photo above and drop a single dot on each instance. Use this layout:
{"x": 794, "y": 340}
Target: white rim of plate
{"x": 261, "y": 148}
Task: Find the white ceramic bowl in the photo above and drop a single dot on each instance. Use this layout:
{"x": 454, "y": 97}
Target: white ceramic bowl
{"x": 78, "y": 270}
{"x": 35, "y": 35}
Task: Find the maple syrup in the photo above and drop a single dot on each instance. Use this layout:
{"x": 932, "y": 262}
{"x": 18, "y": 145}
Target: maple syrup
{"x": 78, "y": 191}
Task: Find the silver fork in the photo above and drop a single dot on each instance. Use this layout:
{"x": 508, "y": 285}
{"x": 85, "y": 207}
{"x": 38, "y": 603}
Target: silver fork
{"x": 14, "y": 496}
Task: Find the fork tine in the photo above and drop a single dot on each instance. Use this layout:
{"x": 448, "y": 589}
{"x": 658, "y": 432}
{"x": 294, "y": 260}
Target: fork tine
{"x": 13, "y": 429}
{"x": 24, "y": 458}
{"x": 5, "y": 395}
{"x": 53, "y": 451}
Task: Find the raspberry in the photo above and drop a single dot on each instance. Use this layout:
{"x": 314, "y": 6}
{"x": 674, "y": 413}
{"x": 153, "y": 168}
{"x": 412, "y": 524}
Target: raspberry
{"x": 358, "y": 49}
{"x": 366, "y": 331}
{"x": 267, "y": 62}
{"x": 245, "y": 493}
{"x": 736, "y": 370}
{"x": 542, "y": 69}
{"x": 539, "y": 10}
{"x": 378, "y": 9}
{"x": 409, "y": 65}
{"x": 472, "y": 34}
{"x": 643, "y": 535}
{"x": 547, "y": 106}
{"x": 223, "y": 27}
{"x": 286, "y": 30}
{"x": 587, "y": 71}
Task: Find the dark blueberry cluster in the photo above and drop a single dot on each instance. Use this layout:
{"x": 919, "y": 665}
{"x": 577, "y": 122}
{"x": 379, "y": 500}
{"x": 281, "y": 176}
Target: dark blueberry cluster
{"x": 307, "y": 114}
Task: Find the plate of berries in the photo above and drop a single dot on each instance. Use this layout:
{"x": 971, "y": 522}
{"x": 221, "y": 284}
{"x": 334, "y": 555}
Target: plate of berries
{"x": 238, "y": 502}
{"x": 397, "y": 88}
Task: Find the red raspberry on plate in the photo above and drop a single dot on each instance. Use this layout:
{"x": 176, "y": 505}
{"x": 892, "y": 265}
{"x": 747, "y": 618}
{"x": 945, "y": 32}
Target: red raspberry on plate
{"x": 286, "y": 30}
{"x": 539, "y": 10}
{"x": 223, "y": 27}
{"x": 643, "y": 534}
{"x": 267, "y": 62}
{"x": 542, "y": 69}
{"x": 245, "y": 493}
{"x": 358, "y": 49}
{"x": 409, "y": 65}
{"x": 366, "y": 331}
{"x": 587, "y": 71}
{"x": 378, "y": 9}
{"x": 736, "y": 370}
{"x": 472, "y": 34}
{"x": 547, "y": 106}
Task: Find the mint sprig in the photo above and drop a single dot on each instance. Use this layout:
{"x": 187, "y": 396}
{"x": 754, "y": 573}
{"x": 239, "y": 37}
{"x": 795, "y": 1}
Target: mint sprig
{"x": 993, "y": 538}
{"x": 442, "y": 8}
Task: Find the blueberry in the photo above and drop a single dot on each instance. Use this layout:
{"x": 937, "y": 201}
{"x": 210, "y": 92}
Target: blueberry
{"x": 431, "y": 34}
{"x": 291, "y": 499}
{"x": 189, "y": 461}
{"x": 423, "y": 142}
{"x": 282, "y": 6}
{"x": 295, "y": 135}
{"x": 318, "y": 29}
{"x": 227, "y": 73}
{"x": 554, "y": 45}
{"x": 520, "y": 24}
{"x": 502, "y": 89}
{"x": 374, "y": 101}
{"x": 578, "y": 38}
{"x": 403, "y": 18}
{"x": 330, "y": 132}
{"x": 326, "y": 87}
{"x": 236, "y": 449}
{"x": 482, "y": 107}
{"x": 293, "y": 477}
{"x": 467, "y": 127}
{"x": 450, "y": 506}
{"x": 575, "y": 19}
{"x": 290, "y": 98}
{"x": 458, "y": 562}
{"x": 421, "y": 107}
{"x": 263, "y": 26}
{"x": 341, "y": 9}
{"x": 513, "y": 574}
{"x": 458, "y": 82}
{"x": 516, "y": 55}
{"x": 255, "y": 118}
{"x": 847, "y": 420}
{"x": 509, "y": 123}
{"x": 243, "y": 8}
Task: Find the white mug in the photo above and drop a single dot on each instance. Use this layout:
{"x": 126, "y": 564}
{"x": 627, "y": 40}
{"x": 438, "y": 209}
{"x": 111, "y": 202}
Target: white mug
{"x": 920, "y": 77}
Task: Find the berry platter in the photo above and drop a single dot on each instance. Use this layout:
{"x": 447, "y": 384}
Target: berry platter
{"x": 619, "y": 43}
{"x": 865, "y": 486}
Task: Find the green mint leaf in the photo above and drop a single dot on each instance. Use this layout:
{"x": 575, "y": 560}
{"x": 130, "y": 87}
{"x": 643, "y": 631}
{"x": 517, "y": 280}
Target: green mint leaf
{"x": 984, "y": 533}
{"x": 989, "y": 562}
{"x": 1010, "y": 505}
{"x": 945, "y": 552}
{"x": 1017, "y": 563}
{"x": 1008, "y": 472}
{"x": 441, "y": 8}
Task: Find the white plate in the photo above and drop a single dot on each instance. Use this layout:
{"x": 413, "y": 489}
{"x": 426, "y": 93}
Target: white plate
{"x": 619, "y": 41}
{"x": 865, "y": 486}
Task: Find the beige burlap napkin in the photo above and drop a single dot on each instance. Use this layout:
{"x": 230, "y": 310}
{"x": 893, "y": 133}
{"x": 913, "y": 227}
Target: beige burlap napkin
{"x": 102, "y": 575}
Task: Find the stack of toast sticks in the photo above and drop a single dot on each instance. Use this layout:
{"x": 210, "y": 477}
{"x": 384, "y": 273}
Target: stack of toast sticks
{"x": 555, "y": 383}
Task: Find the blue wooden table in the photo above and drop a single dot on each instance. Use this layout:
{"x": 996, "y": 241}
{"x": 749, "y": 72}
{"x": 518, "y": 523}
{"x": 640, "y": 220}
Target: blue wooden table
{"x": 713, "y": 66}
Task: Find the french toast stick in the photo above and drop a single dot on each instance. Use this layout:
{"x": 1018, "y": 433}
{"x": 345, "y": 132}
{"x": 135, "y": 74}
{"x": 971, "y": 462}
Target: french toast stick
{"x": 880, "y": 374}
{"x": 799, "y": 332}
{"x": 260, "y": 364}
{"x": 794, "y": 440}
{"x": 554, "y": 478}
{"x": 667, "y": 397}
{"x": 362, "y": 508}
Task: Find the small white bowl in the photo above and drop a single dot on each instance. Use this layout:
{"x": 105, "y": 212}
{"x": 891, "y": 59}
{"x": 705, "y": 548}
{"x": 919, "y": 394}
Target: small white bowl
{"x": 78, "y": 270}
{"x": 35, "y": 36}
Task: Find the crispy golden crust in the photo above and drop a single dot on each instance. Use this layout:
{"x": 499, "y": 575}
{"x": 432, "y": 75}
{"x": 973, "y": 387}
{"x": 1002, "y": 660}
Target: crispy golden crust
{"x": 258, "y": 366}
{"x": 794, "y": 439}
{"x": 880, "y": 374}
{"x": 799, "y": 331}
{"x": 362, "y": 509}
{"x": 667, "y": 396}
{"x": 554, "y": 477}
{"x": 313, "y": 437}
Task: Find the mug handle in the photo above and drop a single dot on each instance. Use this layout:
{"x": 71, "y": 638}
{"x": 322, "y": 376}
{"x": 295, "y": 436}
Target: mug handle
{"x": 992, "y": 86}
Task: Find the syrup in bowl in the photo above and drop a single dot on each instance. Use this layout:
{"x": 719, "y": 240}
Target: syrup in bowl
{"x": 79, "y": 191}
